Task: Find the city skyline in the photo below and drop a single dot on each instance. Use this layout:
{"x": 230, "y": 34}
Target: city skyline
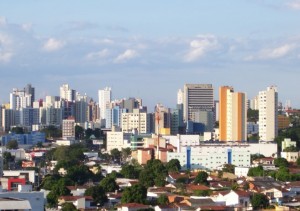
{"x": 150, "y": 50}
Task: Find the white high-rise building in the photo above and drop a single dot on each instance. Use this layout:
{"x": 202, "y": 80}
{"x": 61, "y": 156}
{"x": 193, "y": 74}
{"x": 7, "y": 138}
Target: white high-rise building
{"x": 104, "y": 100}
{"x": 268, "y": 114}
{"x": 67, "y": 93}
{"x": 180, "y": 96}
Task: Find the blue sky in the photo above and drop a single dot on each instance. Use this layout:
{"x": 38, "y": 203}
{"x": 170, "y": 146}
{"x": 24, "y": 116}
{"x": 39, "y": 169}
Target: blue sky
{"x": 150, "y": 49}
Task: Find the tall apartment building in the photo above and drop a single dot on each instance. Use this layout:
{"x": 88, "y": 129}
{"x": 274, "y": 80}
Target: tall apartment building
{"x": 197, "y": 97}
{"x": 104, "y": 100}
{"x": 268, "y": 114}
{"x": 233, "y": 115}
{"x": 29, "y": 90}
{"x": 180, "y": 96}
{"x": 67, "y": 93}
{"x": 68, "y": 128}
{"x": 164, "y": 115}
{"x": 135, "y": 121}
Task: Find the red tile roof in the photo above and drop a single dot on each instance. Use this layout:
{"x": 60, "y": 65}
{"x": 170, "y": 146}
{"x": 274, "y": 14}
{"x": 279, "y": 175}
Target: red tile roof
{"x": 74, "y": 198}
{"x": 134, "y": 205}
{"x": 193, "y": 187}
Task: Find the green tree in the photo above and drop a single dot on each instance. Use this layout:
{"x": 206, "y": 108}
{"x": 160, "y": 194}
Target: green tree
{"x": 298, "y": 161}
{"x": 173, "y": 165}
{"x": 49, "y": 181}
{"x": 154, "y": 172}
{"x": 202, "y": 192}
{"x": 146, "y": 178}
{"x": 88, "y": 133}
{"x": 281, "y": 162}
{"x": 97, "y": 133}
{"x": 228, "y": 168}
{"x": 79, "y": 132}
{"x": 17, "y": 130}
{"x": 134, "y": 194}
{"x": 12, "y": 144}
{"x": 163, "y": 199}
{"x": 79, "y": 174}
{"x": 58, "y": 189}
{"x": 52, "y": 132}
{"x": 51, "y": 199}
{"x": 256, "y": 156}
{"x": 116, "y": 154}
{"x": 256, "y": 171}
{"x": 109, "y": 184}
{"x": 39, "y": 144}
{"x": 201, "y": 178}
{"x": 283, "y": 174}
{"x": 183, "y": 180}
{"x": 130, "y": 172}
{"x": 125, "y": 153}
{"x": 97, "y": 193}
{"x": 291, "y": 149}
{"x": 68, "y": 207}
{"x": 7, "y": 159}
{"x": 259, "y": 200}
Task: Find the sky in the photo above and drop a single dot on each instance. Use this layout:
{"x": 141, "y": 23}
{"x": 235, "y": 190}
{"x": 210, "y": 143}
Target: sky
{"x": 150, "y": 49}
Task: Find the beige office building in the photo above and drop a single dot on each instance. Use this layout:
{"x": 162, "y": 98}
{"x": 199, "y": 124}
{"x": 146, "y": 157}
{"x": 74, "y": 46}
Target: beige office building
{"x": 233, "y": 115}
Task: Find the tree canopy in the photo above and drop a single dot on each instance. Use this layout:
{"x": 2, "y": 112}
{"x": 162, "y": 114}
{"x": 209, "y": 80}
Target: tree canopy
{"x": 201, "y": 178}
{"x": 281, "y": 162}
{"x": 154, "y": 172}
{"x": 12, "y": 144}
{"x": 109, "y": 184}
{"x": 173, "y": 165}
{"x": 97, "y": 193}
{"x": 259, "y": 200}
{"x": 134, "y": 194}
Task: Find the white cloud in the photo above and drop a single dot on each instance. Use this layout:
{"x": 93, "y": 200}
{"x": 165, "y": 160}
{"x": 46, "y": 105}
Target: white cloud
{"x": 127, "y": 55}
{"x": 3, "y": 21}
{"x": 5, "y": 56}
{"x": 295, "y": 4}
{"x": 272, "y": 53}
{"x": 53, "y": 45}
{"x": 26, "y": 26}
{"x": 200, "y": 46}
{"x": 5, "y": 40}
{"x": 97, "y": 55}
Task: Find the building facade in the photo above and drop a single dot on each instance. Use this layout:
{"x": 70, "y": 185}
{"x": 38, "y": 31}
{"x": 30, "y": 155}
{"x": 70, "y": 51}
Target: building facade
{"x": 268, "y": 114}
{"x": 233, "y": 115}
{"x": 197, "y": 97}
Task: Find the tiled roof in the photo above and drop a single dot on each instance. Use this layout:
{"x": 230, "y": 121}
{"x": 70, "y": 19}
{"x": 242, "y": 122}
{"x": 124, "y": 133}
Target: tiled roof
{"x": 74, "y": 198}
{"x": 134, "y": 205}
{"x": 196, "y": 187}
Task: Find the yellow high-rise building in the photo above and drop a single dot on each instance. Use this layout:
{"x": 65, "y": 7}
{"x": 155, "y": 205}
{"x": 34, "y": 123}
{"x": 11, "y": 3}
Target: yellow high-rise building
{"x": 233, "y": 115}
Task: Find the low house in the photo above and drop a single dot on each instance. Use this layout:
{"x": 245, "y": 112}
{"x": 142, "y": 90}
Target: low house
{"x": 77, "y": 190}
{"x": 192, "y": 188}
{"x": 260, "y": 184}
{"x": 80, "y": 202}
{"x": 235, "y": 198}
{"x": 165, "y": 208}
{"x": 132, "y": 207}
{"x": 114, "y": 198}
{"x": 220, "y": 185}
{"x": 263, "y": 161}
{"x": 293, "y": 187}
{"x": 276, "y": 194}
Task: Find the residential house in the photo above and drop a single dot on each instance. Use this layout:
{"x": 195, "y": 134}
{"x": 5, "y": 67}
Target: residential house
{"x": 132, "y": 207}
{"x": 80, "y": 202}
{"x": 165, "y": 208}
{"x": 236, "y": 198}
